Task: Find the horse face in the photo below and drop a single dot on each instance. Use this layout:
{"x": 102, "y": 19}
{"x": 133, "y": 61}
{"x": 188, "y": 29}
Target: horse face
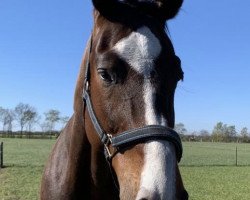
{"x": 134, "y": 74}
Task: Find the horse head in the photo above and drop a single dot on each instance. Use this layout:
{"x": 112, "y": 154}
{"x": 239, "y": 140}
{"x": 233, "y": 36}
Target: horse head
{"x": 133, "y": 72}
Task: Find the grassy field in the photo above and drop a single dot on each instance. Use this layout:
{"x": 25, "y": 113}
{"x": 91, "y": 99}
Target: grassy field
{"x": 208, "y": 170}
{"x": 215, "y": 154}
{"x": 24, "y": 160}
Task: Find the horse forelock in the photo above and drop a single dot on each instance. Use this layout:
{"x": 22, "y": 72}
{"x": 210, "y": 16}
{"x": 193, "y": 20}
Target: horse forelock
{"x": 125, "y": 10}
{"x": 78, "y": 101}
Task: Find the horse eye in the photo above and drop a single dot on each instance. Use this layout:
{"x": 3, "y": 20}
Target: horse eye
{"x": 105, "y": 75}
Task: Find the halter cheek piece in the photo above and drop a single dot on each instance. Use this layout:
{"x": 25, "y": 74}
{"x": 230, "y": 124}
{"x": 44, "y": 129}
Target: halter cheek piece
{"x": 130, "y": 137}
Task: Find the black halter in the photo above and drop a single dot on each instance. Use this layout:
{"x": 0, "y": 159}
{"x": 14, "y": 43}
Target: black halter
{"x": 130, "y": 137}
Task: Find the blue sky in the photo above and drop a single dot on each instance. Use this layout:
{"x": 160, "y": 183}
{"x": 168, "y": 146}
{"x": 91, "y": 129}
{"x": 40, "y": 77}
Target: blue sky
{"x": 42, "y": 43}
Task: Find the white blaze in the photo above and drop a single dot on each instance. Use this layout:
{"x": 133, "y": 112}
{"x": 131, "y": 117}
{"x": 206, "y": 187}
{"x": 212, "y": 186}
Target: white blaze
{"x": 158, "y": 175}
{"x": 140, "y": 50}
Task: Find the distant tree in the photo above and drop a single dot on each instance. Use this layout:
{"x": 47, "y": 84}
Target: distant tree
{"x": 230, "y": 133}
{"x": 64, "y": 120}
{"x": 244, "y": 134}
{"x": 9, "y": 117}
{"x": 223, "y": 132}
{"x": 2, "y": 116}
{"x": 204, "y": 133}
{"x": 23, "y": 113}
{"x": 218, "y": 132}
{"x": 180, "y": 128}
{"x": 51, "y": 118}
{"x": 45, "y": 127}
{"x": 32, "y": 119}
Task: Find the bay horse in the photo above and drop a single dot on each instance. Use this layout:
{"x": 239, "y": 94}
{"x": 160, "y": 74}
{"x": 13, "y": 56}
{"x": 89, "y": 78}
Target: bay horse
{"x": 120, "y": 142}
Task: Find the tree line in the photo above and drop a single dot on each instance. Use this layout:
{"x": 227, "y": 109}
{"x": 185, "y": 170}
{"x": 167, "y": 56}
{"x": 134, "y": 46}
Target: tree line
{"x": 220, "y": 133}
{"x": 26, "y": 118}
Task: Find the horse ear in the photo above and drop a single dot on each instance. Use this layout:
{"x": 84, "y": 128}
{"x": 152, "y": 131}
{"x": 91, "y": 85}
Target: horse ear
{"x": 169, "y": 8}
{"x": 101, "y": 5}
{"x": 108, "y": 8}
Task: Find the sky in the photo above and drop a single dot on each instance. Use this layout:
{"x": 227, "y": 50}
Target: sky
{"x": 42, "y": 44}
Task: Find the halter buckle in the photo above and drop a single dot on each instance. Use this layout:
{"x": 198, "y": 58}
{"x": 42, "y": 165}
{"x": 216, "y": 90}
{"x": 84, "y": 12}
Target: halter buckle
{"x": 109, "y": 155}
{"x": 86, "y": 85}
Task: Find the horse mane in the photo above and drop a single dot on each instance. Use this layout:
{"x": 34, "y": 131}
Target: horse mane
{"x": 78, "y": 101}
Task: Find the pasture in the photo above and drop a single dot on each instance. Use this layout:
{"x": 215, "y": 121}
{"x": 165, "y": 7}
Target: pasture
{"x": 208, "y": 169}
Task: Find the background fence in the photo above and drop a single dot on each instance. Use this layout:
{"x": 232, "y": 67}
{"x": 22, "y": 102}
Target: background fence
{"x": 215, "y": 154}
{"x": 30, "y": 135}
{"x": 1, "y": 154}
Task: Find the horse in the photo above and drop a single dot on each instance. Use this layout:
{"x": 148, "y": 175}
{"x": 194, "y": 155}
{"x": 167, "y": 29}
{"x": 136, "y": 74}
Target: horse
{"x": 119, "y": 142}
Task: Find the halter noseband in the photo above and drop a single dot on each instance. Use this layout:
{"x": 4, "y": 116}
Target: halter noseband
{"x": 130, "y": 137}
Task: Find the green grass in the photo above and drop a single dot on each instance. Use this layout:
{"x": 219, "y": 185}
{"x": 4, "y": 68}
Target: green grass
{"x": 217, "y": 183}
{"x": 24, "y": 161}
{"x": 207, "y": 169}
